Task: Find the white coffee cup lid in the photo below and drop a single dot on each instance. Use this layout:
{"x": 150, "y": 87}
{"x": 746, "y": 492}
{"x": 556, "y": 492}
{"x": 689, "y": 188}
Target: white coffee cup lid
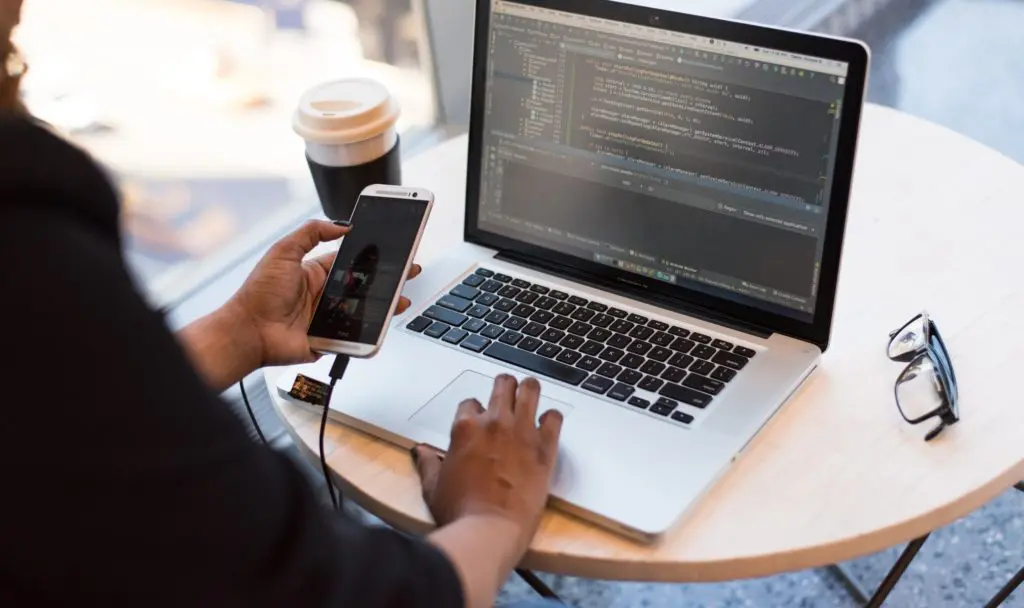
{"x": 345, "y": 111}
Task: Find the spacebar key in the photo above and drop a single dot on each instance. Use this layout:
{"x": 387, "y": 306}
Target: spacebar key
{"x": 535, "y": 363}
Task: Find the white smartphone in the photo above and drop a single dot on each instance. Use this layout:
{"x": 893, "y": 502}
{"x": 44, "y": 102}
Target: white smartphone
{"x": 363, "y": 287}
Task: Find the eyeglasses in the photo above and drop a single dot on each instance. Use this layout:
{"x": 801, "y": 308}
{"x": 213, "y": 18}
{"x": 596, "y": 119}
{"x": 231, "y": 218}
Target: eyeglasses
{"x": 927, "y": 387}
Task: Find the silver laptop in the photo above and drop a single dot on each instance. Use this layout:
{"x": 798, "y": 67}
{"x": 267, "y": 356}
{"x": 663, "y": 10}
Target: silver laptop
{"x": 655, "y": 216}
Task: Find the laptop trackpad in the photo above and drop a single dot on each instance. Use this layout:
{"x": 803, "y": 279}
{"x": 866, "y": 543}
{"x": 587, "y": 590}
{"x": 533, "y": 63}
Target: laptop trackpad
{"x": 439, "y": 413}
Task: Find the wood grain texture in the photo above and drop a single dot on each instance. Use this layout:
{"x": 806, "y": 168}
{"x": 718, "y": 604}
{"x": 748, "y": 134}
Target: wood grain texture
{"x": 934, "y": 223}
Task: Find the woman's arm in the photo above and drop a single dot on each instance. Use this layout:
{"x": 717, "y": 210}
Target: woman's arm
{"x": 224, "y": 346}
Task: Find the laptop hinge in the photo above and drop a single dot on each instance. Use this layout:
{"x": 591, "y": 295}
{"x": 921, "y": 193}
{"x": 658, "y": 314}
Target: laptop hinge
{"x": 654, "y": 299}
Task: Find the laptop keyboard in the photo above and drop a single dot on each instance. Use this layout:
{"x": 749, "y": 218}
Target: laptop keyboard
{"x": 584, "y": 343}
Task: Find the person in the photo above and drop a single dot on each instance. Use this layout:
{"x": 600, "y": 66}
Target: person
{"x": 128, "y": 482}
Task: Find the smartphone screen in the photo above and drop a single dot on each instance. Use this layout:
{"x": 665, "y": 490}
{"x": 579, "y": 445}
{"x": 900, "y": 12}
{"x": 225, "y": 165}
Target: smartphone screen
{"x": 357, "y": 298}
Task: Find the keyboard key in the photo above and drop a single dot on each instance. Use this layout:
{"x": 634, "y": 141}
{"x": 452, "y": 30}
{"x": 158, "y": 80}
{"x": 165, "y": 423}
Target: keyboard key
{"x": 630, "y": 376}
{"x": 558, "y": 295}
{"x": 724, "y": 374}
{"x": 539, "y": 289}
{"x": 621, "y": 392}
{"x": 618, "y": 313}
{"x": 509, "y": 291}
{"x": 492, "y": 331}
{"x": 661, "y": 409}
{"x": 662, "y": 339}
{"x": 609, "y": 370}
{"x": 534, "y": 329}
{"x": 743, "y": 351}
{"x": 686, "y": 395}
{"x": 511, "y": 337}
{"x": 490, "y": 286}
{"x": 619, "y": 341}
{"x": 680, "y": 360}
{"x": 487, "y": 299}
{"x": 682, "y": 345}
{"x": 563, "y": 308}
{"x": 657, "y": 325}
{"x": 560, "y": 322}
{"x": 640, "y": 403}
{"x": 465, "y": 291}
{"x": 478, "y": 311}
{"x": 437, "y": 329}
{"x": 542, "y": 316}
{"x": 638, "y": 319}
{"x": 722, "y": 344}
{"x": 418, "y": 324}
{"x": 703, "y": 383}
{"x": 521, "y": 284}
{"x": 496, "y": 316}
{"x": 514, "y": 323}
{"x": 589, "y": 363}
{"x": 679, "y": 332}
{"x": 597, "y": 384}
{"x": 641, "y": 333}
{"x": 578, "y": 301}
{"x": 583, "y": 314}
{"x": 597, "y": 306}
{"x": 602, "y": 320}
{"x": 474, "y": 325}
{"x": 545, "y": 303}
{"x": 568, "y": 357}
{"x": 524, "y": 311}
{"x": 650, "y": 383}
{"x": 631, "y": 361}
{"x": 527, "y": 297}
{"x": 571, "y": 341}
{"x": 580, "y": 328}
{"x": 530, "y": 344}
{"x": 621, "y": 326}
{"x": 592, "y": 348}
{"x": 639, "y": 347}
{"x": 673, "y": 374}
{"x": 552, "y": 335}
{"x": 475, "y": 343}
{"x": 484, "y": 272}
{"x": 474, "y": 280}
{"x": 549, "y": 350}
{"x": 455, "y": 336}
{"x": 701, "y": 366}
{"x": 505, "y": 305}
{"x": 653, "y": 368}
{"x": 703, "y": 352}
{"x": 730, "y": 360}
{"x": 667, "y": 401}
{"x": 682, "y": 417}
{"x": 611, "y": 354}
{"x": 599, "y": 335}
{"x": 436, "y": 313}
{"x": 503, "y": 278}
{"x": 536, "y": 364}
{"x": 659, "y": 353}
{"x": 700, "y": 338}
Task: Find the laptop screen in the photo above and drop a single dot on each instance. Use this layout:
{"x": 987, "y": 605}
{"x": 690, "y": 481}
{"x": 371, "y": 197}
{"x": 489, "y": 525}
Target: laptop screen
{"x": 701, "y": 162}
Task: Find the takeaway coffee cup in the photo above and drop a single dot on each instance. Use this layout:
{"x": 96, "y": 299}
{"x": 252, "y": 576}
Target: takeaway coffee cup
{"x": 351, "y": 141}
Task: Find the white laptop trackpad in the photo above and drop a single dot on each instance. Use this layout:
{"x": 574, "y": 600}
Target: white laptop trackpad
{"x": 438, "y": 414}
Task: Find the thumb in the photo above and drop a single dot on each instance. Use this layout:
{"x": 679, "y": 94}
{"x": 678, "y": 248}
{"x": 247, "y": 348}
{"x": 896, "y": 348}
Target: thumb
{"x": 311, "y": 234}
{"x": 428, "y": 465}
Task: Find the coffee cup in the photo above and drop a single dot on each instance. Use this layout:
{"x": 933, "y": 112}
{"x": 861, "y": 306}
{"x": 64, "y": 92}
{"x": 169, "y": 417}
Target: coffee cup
{"x": 351, "y": 141}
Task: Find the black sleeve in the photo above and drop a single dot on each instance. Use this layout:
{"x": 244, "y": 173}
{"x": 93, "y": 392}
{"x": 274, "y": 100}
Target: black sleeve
{"x": 125, "y": 482}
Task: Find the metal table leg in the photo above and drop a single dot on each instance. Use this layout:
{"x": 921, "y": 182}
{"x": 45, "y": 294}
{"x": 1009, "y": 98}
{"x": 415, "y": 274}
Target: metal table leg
{"x": 878, "y": 598}
{"x": 538, "y": 585}
{"x": 1007, "y": 590}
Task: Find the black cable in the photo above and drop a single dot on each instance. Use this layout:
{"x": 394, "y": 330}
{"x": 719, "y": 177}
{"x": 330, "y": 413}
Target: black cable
{"x": 337, "y": 372}
{"x": 252, "y": 416}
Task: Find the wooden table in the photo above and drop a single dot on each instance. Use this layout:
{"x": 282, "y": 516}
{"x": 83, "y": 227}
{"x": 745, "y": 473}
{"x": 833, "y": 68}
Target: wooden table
{"x": 935, "y": 222}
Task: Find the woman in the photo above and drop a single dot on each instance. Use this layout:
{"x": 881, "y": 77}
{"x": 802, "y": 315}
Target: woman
{"x": 127, "y": 482}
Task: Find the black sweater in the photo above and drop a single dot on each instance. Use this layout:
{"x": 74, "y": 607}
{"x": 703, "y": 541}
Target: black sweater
{"x": 124, "y": 480}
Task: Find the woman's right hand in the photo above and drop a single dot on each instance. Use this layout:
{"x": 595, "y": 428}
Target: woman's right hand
{"x": 499, "y": 463}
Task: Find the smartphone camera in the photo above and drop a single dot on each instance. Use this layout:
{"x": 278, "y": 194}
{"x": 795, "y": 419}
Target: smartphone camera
{"x": 415, "y": 194}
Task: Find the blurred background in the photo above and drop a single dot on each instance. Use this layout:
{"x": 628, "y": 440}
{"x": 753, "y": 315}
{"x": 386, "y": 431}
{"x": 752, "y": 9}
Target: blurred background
{"x": 189, "y": 101}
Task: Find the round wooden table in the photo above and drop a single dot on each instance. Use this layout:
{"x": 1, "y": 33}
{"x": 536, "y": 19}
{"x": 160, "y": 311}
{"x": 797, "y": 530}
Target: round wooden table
{"x": 935, "y": 223}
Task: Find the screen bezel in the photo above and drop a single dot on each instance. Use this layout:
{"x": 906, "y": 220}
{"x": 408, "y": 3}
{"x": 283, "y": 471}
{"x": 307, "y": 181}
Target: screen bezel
{"x": 364, "y": 349}
{"x": 818, "y": 330}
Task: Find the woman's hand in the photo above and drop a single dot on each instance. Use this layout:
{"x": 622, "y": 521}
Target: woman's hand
{"x": 279, "y": 296}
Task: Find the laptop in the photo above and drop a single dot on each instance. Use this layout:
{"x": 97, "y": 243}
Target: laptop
{"x": 654, "y": 221}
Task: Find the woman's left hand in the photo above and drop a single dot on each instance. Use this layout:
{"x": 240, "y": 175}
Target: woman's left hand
{"x": 279, "y": 296}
